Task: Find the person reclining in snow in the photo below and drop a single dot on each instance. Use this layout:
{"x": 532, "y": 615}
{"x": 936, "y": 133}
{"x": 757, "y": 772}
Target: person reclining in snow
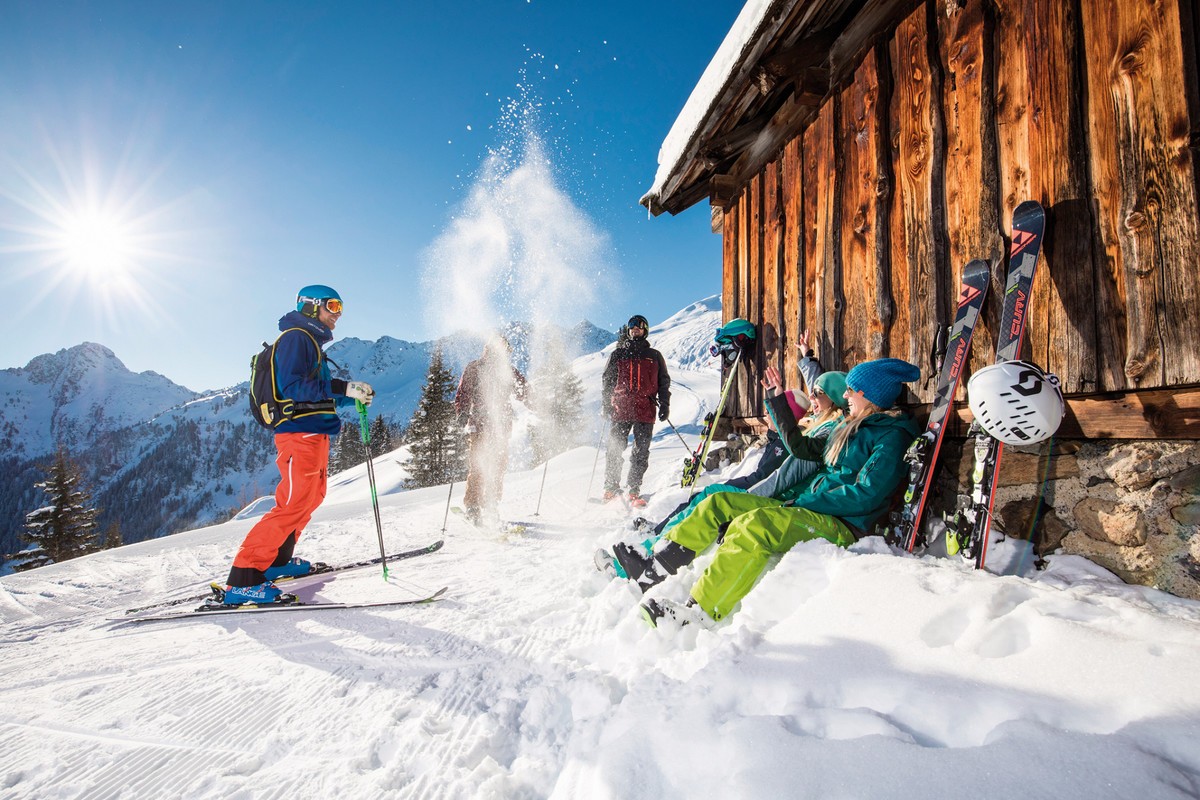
{"x": 771, "y": 475}
{"x": 778, "y": 471}
{"x": 861, "y": 467}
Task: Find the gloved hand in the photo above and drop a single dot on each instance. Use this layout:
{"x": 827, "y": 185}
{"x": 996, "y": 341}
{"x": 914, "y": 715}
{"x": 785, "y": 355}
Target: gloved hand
{"x": 664, "y": 411}
{"x": 362, "y": 392}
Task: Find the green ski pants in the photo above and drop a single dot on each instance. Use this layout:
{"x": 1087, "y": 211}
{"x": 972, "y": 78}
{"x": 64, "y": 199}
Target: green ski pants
{"x": 759, "y": 527}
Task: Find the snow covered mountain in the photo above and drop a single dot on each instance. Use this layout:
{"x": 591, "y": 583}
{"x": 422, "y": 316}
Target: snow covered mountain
{"x": 161, "y": 458}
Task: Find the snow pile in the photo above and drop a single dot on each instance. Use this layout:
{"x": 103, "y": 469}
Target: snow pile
{"x": 859, "y": 673}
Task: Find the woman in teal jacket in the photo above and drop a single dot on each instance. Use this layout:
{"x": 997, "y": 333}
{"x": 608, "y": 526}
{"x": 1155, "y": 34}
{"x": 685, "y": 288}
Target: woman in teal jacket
{"x": 862, "y": 465}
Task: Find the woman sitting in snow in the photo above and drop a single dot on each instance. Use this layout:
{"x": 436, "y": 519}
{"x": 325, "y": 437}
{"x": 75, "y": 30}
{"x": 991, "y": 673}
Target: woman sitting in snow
{"x": 780, "y": 474}
{"x": 861, "y": 467}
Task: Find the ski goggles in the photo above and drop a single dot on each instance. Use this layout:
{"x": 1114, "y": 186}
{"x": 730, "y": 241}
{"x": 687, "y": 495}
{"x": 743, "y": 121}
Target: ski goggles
{"x": 332, "y": 305}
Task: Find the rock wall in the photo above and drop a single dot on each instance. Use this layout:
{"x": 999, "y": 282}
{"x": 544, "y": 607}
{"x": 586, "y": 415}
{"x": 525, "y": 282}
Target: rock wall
{"x": 1132, "y": 507}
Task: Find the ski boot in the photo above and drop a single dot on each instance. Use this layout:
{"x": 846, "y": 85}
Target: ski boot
{"x": 295, "y": 568}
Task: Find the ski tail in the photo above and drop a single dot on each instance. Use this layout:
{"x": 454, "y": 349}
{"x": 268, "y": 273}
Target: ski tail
{"x": 922, "y": 456}
{"x": 693, "y": 465}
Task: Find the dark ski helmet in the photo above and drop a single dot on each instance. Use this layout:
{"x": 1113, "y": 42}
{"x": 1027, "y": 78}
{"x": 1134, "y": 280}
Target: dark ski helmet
{"x": 310, "y": 297}
{"x": 638, "y": 321}
{"x": 1016, "y": 402}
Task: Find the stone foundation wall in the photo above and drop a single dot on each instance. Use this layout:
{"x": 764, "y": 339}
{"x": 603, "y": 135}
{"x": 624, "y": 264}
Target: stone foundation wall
{"x": 1132, "y": 507}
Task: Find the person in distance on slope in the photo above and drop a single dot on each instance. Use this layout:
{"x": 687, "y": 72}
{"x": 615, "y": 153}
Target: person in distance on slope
{"x": 483, "y": 404}
{"x": 302, "y": 441}
{"x": 635, "y": 381}
{"x": 862, "y": 465}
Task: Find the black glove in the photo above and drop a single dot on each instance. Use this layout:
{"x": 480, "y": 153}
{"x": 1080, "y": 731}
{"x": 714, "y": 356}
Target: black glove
{"x": 664, "y": 411}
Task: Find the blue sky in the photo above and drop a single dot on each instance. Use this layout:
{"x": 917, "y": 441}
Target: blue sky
{"x": 171, "y": 173}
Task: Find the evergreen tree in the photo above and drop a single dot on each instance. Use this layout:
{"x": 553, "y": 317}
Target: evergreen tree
{"x": 347, "y": 449}
{"x": 66, "y": 527}
{"x": 557, "y": 398}
{"x": 381, "y": 436}
{"x": 112, "y": 536}
{"x": 437, "y": 449}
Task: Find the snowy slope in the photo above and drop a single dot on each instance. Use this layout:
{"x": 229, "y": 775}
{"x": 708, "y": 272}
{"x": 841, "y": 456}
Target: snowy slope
{"x": 855, "y": 674}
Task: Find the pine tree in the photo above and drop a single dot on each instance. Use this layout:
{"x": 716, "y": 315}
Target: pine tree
{"x": 66, "y": 527}
{"x": 381, "y": 436}
{"x": 437, "y": 450}
{"x": 347, "y": 449}
{"x": 557, "y": 397}
{"x": 112, "y": 536}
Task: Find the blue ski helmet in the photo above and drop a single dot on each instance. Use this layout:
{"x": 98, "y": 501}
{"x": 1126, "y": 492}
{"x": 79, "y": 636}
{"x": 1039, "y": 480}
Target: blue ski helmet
{"x": 310, "y": 297}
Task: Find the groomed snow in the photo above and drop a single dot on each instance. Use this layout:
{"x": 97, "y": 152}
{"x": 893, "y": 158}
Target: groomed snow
{"x": 854, "y": 673}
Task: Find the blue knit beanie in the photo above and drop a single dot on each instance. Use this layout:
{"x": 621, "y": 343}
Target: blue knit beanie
{"x": 881, "y": 380}
{"x": 833, "y": 385}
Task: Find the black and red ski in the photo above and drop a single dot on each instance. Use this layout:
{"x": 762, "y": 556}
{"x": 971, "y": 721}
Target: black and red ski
{"x": 922, "y": 455}
{"x": 968, "y": 530}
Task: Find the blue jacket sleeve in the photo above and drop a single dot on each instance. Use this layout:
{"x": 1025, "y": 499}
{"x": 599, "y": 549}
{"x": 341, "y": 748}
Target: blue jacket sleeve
{"x": 299, "y": 374}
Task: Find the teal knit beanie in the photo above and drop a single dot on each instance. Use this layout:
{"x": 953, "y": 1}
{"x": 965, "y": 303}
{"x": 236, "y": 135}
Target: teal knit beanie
{"x": 833, "y": 384}
{"x": 882, "y": 380}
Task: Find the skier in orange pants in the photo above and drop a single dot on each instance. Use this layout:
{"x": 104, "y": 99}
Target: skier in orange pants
{"x": 301, "y": 375}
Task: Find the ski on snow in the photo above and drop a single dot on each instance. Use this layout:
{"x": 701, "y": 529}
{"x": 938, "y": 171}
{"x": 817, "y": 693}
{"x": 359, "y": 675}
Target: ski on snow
{"x": 214, "y": 608}
{"x": 922, "y": 455}
{"x": 318, "y": 568}
{"x": 508, "y": 528}
{"x": 968, "y": 529}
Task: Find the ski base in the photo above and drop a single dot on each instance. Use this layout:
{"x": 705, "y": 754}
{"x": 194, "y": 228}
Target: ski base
{"x": 212, "y": 609}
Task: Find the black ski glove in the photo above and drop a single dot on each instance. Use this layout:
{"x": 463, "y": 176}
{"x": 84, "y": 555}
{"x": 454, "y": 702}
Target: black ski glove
{"x": 664, "y": 411}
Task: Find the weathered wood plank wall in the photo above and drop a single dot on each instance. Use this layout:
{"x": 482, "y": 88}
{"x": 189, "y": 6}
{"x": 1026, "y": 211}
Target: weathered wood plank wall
{"x": 859, "y": 229}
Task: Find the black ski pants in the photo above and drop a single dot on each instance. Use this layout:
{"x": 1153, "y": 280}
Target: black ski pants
{"x": 618, "y": 435}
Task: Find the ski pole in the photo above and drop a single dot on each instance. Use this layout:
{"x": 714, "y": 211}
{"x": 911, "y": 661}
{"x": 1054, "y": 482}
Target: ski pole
{"x": 595, "y": 463}
{"x": 446, "y": 516}
{"x": 366, "y": 438}
{"x": 543, "y": 487}
{"x": 681, "y": 441}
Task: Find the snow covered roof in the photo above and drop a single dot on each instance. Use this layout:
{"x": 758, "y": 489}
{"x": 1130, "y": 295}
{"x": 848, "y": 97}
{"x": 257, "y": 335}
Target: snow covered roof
{"x": 770, "y": 76}
{"x": 717, "y": 78}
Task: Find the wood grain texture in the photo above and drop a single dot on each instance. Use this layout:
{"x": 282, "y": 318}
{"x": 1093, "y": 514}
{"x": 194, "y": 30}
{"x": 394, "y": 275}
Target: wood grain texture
{"x": 971, "y": 182}
{"x": 793, "y": 260}
{"x": 918, "y": 276}
{"x": 1144, "y": 185}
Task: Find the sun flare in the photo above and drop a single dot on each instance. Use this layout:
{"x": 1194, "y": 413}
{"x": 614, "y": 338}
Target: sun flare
{"x": 97, "y": 246}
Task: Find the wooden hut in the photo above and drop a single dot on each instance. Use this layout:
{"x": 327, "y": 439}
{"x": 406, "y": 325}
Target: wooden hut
{"x": 858, "y": 153}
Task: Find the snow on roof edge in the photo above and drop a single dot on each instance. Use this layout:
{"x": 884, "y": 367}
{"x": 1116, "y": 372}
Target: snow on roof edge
{"x": 714, "y": 79}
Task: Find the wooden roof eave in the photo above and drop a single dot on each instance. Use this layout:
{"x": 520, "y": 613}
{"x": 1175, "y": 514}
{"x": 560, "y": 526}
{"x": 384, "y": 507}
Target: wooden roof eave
{"x": 727, "y": 149}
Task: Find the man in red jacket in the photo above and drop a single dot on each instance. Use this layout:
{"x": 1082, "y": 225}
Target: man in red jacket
{"x": 636, "y": 381}
{"x": 483, "y": 404}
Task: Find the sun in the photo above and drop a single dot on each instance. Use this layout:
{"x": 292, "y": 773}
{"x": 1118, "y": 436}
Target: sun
{"x": 97, "y": 246}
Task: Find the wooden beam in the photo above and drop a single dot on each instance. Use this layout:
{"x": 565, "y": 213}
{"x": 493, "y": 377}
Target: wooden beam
{"x": 1152, "y": 414}
{"x": 1155, "y": 414}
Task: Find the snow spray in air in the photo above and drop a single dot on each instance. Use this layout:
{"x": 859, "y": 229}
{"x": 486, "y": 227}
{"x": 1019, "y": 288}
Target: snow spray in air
{"x": 519, "y": 251}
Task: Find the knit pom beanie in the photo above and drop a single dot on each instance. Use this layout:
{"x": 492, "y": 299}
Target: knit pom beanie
{"x": 799, "y": 409}
{"x": 882, "y": 380}
{"x": 833, "y": 385}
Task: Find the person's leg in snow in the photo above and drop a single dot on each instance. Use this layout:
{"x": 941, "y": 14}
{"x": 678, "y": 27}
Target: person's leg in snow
{"x": 303, "y": 462}
{"x": 614, "y": 458}
{"x": 751, "y": 539}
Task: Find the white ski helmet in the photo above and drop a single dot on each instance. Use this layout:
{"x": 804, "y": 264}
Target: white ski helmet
{"x": 1016, "y": 402}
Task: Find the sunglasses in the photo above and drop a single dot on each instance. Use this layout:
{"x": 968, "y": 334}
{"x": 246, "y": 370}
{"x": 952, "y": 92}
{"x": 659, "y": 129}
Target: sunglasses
{"x": 332, "y": 305}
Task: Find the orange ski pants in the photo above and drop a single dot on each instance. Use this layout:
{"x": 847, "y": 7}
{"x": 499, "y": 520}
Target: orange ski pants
{"x": 303, "y": 463}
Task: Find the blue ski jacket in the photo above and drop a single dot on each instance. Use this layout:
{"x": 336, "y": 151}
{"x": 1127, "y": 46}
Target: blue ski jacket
{"x": 302, "y": 375}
